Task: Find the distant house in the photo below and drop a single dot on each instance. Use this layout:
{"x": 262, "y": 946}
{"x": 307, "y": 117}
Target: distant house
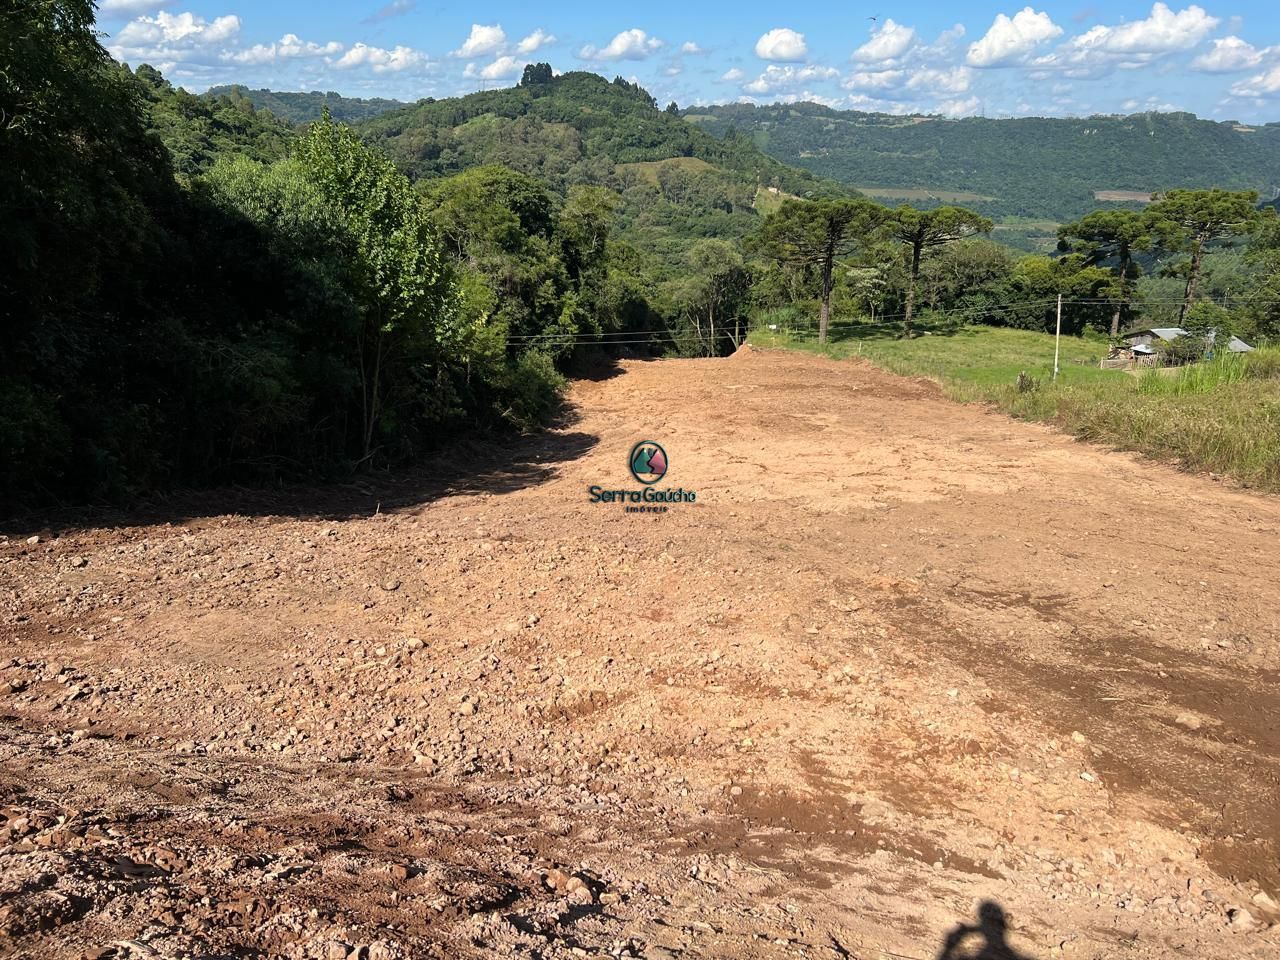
{"x": 1145, "y": 341}
{"x": 1141, "y": 347}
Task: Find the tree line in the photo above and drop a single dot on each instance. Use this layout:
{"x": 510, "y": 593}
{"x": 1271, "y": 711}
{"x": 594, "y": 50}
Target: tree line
{"x": 874, "y": 256}
{"x": 195, "y": 291}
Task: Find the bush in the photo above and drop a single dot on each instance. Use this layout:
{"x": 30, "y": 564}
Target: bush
{"x": 535, "y": 388}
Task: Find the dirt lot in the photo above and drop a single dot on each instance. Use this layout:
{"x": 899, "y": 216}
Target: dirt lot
{"x": 908, "y": 680}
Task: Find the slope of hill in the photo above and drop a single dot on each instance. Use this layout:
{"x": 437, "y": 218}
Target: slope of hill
{"x": 579, "y": 128}
{"x": 571, "y": 128}
{"x": 197, "y": 129}
{"x": 1034, "y": 167}
{"x": 303, "y": 107}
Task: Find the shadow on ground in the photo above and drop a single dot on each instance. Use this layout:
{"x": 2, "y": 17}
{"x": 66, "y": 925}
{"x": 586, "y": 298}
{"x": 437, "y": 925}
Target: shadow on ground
{"x": 985, "y": 940}
{"x": 468, "y": 466}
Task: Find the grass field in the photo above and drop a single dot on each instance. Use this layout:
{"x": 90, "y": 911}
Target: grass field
{"x": 1222, "y": 416}
{"x": 649, "y": 168}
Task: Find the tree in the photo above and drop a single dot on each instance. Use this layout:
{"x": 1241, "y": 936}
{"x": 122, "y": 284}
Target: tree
{"x": 714, "y": 293}
{"x": 1111, "y": 235}
{"x": 922, "y": 229}
{"x": 814, "y": 233}
{"x": 536, "y": 74}
{"x": 1190, "y": 220}
{"x": 398, "y": 273}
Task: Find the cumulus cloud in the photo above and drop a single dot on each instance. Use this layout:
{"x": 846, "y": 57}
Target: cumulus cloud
{"x": 130, "y": 8}
{"x": 482, "y": 41}
{"x": 503, "y": 68}
{"x": 783, "y": 45}
{"x": 287, "y": 47}
{"x": 959, "y": 108}
{"x": 171, "y": 39}
{"x": 875, "y": 80}
{"x": 776, "y": 78}
{"x": 1163, "y": 31}
{"x": 938, "y": 82}
{"x": 1011, "y": 39}
{"x": 184, "y": 28}
{"x": 1265, "y": 84}
{"x": 535, "y": 42}
{"x": 633, "y": 44}
{"x": 732, "y": 75}
{"x": 395, "y": 60}
{"x": 1229, "y": 55}
{"x": 888, "y": 41}
{"x": 691, "y": 48}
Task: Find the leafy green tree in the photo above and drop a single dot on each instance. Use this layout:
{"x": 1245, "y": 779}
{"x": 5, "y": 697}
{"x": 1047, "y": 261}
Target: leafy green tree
{"x": 536, "y": 74}
{"x": 399, "y": 276}
{"x": 1190, "y": 220}
{"x": 1111, "y": 235}
{"x": 921, "y": 230}
{"x": 713, "y": 296}
{"x": 815, "y": 233}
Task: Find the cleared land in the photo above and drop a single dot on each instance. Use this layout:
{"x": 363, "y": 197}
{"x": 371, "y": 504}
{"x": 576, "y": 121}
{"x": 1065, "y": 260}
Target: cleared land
{"x": 1137, "y": 196}
{"x": 922, "y": 193}
{"x": 649, "y": 169}
{"x": 900, "y": 657}
{"x": 1221, "y": 416}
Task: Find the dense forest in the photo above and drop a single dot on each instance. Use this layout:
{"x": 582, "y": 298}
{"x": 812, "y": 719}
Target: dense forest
{"x": 303, "y": 107}
{"x": 197, "y": 290}
{"x": 1033, "y": 167}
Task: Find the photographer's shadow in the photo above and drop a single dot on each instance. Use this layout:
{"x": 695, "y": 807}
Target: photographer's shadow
{"x": 985, "y": 941}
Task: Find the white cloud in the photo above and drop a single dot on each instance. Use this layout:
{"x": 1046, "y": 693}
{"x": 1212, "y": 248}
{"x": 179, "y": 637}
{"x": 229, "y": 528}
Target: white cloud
{"x": 633, "y": 44}
{"x": 888, "y": 41}
{"x": 782, "y": 45}
{"x": 1131, "y": 46}
{"x": 777, "y": 78}
{"x": 184, "y": 28}
{"x": 1162, "y": 32}
{"x": 382, "y": 61}
{"x": 503, "y": 68}
{"x": 691, "y": 48}
{"x": 875, "y": 80}
{"x": 958, "y": 108}
{"x": 1265, "y": 84}
{"x": 1011, "y": 39}
{"x": 938, "y": 82}
{"x": 732, "y": 75}
{"x": 535, "y": 41}
{"x": 129, "y": 8}
{"x": 1228, "y": 55}
{"x": 288, "y": 47}
{"x": 482, "y": 41}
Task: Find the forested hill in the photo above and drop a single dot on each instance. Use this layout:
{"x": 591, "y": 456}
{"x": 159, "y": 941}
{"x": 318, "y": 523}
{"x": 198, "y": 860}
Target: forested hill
{"x": 1043, "y": 168}
{"x": 575, "y": 127}
{"x": 303, "y": 107}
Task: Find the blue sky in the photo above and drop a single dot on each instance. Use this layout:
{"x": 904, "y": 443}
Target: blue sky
{"x": 1219, "y": 60}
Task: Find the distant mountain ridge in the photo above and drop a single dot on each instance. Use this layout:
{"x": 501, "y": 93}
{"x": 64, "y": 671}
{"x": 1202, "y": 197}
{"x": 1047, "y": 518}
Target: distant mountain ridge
{"x": 305, "y": 106}
{"x": 1034, "y": 167}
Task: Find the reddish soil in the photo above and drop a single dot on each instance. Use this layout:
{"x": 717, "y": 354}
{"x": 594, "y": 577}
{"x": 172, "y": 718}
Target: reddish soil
{"x": 899, "y": 659}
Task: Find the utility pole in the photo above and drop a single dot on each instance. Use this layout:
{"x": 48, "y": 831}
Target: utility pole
{"x": 1057, "y": 339}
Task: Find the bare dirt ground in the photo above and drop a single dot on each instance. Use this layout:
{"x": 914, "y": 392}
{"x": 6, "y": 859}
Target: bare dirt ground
{"x": 901, "y": 658}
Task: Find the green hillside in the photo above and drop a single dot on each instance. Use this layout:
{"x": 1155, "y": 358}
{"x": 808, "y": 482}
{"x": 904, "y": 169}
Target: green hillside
{"x": 1035, "y": 167}
{"x": 303, "y": 107}
{"x": 678, "y": 184}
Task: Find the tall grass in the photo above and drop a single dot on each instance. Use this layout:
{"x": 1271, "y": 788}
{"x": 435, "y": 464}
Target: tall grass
{"x": 1221, "y": 416}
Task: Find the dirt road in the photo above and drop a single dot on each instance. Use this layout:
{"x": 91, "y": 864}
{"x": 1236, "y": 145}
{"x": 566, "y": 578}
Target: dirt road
{"x": 907, "y": 680}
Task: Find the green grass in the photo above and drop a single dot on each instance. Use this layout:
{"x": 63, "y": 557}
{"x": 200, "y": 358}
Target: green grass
{"x": 649, "y": 168}
{"x": 1221, "y": 416}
